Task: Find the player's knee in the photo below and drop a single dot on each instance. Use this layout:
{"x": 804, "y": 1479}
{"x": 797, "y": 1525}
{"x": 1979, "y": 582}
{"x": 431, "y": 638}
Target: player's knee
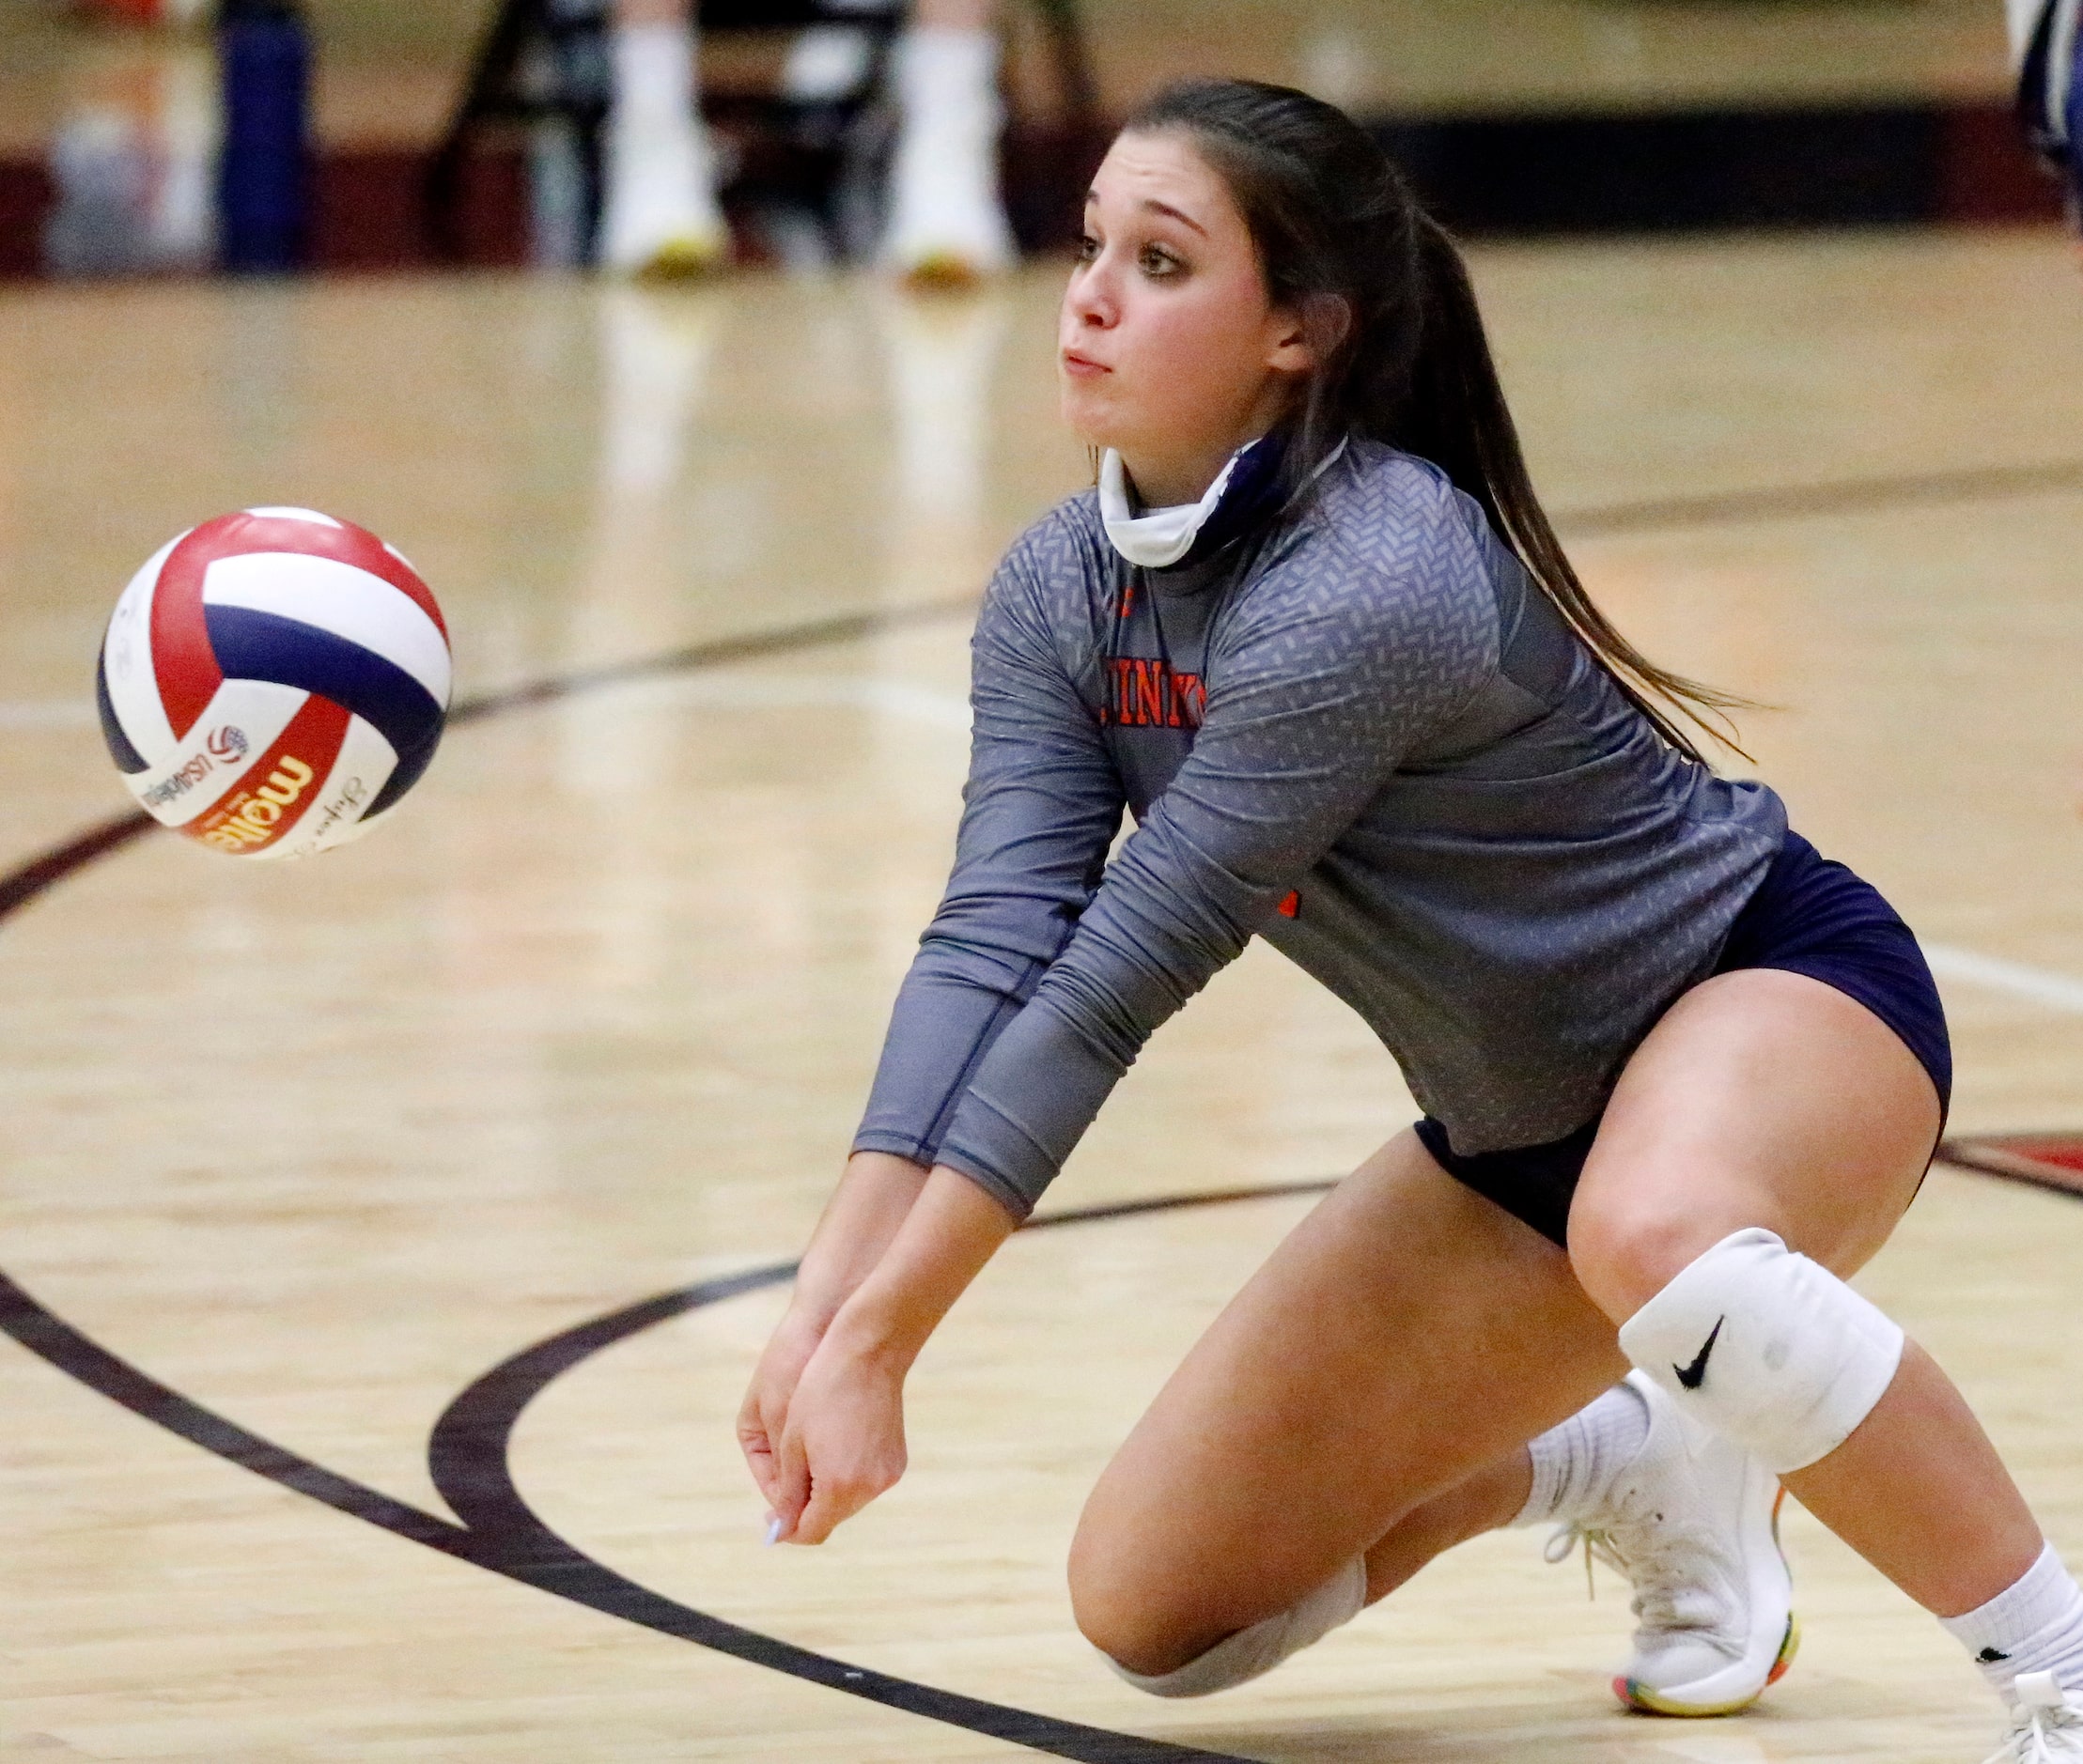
{"x": 1766, "y": 1347}
{"x": 1624, "y": 1251}
{"x": 1172, "y": 1653}
{"x": 1118, "y": 1598}
{"x": 1129, "y": 1620}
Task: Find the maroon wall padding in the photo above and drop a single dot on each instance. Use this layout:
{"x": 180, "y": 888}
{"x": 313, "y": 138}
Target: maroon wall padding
{"x": 494, "y": 208}
{"x": 368, "y": 211}
{"x": 1985, "y": 171}
{"x": 26, "y": 198}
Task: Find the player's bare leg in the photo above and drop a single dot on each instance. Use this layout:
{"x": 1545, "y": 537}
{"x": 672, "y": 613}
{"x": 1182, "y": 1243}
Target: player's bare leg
{"x": 1768, "y": 1119}
{"x": 1284, "y": 1448}
{"x": 1288, "y": 1473}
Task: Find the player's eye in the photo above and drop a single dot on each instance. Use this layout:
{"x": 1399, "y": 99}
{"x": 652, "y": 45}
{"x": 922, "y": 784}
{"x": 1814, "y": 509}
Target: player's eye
{"x": 1088, "y": 248}
{"x": 1159, "y": 260}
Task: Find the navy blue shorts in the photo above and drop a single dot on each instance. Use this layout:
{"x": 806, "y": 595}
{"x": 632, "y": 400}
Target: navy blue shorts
{"x": 1809, "y": 916}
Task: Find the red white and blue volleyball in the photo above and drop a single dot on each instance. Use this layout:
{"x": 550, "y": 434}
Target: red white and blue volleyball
{"x": 273, "y": 682}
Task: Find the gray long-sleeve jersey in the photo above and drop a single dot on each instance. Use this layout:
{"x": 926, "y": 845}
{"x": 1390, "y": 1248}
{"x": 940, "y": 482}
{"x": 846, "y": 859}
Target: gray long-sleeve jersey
{"x": 1362, "y": 734}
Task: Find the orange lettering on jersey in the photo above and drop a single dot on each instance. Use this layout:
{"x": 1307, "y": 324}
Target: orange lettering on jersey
{"x": 1146, "y": 694}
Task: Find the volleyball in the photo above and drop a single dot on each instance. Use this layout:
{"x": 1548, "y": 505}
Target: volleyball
{"x": 272, "y": 682}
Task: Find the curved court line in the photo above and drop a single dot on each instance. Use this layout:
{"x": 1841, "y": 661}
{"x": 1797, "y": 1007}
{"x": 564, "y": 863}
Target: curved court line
{"x": 469, "y": 1446}
{"x": 467, "y": 1450}
{"x": 717, "y": 652}
{"x": 468, "y": 1455}
{"x": 1970, "y": 484}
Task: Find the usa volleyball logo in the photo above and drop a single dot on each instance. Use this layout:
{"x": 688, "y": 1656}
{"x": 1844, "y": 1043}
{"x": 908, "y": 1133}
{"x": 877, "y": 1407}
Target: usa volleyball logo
{"x": 274, "y": 681}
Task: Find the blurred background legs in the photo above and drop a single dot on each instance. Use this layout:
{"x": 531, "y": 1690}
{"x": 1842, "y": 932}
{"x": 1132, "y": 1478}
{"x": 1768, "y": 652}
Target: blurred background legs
{"x": 834, "y": 132}
{"x": 662, "y": 216}
{"x": 947, "y": 221}
{"x": 130, "y": 162}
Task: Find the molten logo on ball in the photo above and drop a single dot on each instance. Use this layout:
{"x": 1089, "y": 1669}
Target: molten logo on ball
{"x": 252, "y": 820}
{"x": 268, "y": 661}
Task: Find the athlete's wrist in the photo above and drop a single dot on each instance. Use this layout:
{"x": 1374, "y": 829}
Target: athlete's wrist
{"x": 951, "y": 1231}
{"x": 875, "y": 1195}
{"x": 874, "y": 1332}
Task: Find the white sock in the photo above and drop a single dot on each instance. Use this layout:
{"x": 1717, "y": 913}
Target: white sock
{"x": 827, "y": 62}
{"x": 662, "y": 175}
{"x": 947, "y": 80}
{"x": 2036, "y": 1626}
{"x": 944, "y": 178}
{"x": 654, "y": 76}
{"x": 1575, "y": 1464}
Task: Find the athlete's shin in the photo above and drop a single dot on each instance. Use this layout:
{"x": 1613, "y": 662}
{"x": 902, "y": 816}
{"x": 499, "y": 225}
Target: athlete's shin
{"x": 1774, "y": 1351}
{"x": 1492, "y": 1499}
{"x": 1919, "y": 1491}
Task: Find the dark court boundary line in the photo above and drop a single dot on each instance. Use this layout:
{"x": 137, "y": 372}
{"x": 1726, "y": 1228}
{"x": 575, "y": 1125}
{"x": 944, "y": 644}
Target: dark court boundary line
{"x": 469, "y": 1448}
{"x": 1846, "y": 496}
{"x": 1992, "y": 1156}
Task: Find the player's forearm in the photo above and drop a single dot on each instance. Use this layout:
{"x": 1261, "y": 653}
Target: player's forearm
{"x": 875, "y": 1195}
{"x": 951, "y": 1231}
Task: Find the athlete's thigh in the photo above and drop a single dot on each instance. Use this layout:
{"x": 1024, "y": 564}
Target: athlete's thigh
{"x": 1761, "y": 1098}
{"x": 1405, "y": 1335}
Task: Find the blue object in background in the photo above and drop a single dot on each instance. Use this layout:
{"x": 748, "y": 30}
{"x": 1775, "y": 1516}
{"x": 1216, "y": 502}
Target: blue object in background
{"x": 263, "y": 176}
{"x": 2074, "y": 120}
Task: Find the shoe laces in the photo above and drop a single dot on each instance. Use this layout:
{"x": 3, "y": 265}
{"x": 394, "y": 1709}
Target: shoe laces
{"x": 2033, "y": 1740}
{"x": 1658, "y": 1559}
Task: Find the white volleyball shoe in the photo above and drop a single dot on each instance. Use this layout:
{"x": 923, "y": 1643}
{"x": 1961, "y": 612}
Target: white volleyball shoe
{"x": 2046, "y": 1727}
{"x": 1693, "y": 1522}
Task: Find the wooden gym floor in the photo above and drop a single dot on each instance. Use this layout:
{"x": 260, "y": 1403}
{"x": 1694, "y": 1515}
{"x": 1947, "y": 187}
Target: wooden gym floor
{"x": 293, "y": 1158}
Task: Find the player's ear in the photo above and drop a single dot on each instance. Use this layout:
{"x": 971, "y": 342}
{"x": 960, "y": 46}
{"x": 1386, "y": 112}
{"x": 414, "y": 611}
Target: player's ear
{"x": 1307, "y": 334}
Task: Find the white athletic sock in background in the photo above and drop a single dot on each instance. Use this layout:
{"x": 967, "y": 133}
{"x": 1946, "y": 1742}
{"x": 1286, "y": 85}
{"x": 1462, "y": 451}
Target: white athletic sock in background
{"x": 947, "y": 80}
{"x": 1574, "y": 1465}
{"x": 654, "y": 76}
{"x": 2021, "y": 16}
{"x": 944, "y": 204}
{"x": 827, "y": 62}
{"x": 662, "y": 213}
{"x": 2035, "y": 1626}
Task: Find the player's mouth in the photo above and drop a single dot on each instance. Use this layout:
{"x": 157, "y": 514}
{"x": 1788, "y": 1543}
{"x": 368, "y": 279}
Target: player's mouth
{"x": 1082, "y": 366}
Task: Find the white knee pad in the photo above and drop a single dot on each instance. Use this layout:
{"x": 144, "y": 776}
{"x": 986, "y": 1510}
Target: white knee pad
{"x": 1767, "y": 1348}
{"x": 1250, "y": 1653}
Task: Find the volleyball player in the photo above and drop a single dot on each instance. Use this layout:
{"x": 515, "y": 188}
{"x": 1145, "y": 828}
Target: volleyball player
{"x": 1681, "y": 1076}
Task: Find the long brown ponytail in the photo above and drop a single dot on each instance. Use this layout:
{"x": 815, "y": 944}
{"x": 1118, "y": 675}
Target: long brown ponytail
{"x": 1403, "y": 355}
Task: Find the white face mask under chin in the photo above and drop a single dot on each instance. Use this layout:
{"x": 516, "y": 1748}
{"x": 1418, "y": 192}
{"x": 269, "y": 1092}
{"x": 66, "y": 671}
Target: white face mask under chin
{"x": 1157, "y": 538}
